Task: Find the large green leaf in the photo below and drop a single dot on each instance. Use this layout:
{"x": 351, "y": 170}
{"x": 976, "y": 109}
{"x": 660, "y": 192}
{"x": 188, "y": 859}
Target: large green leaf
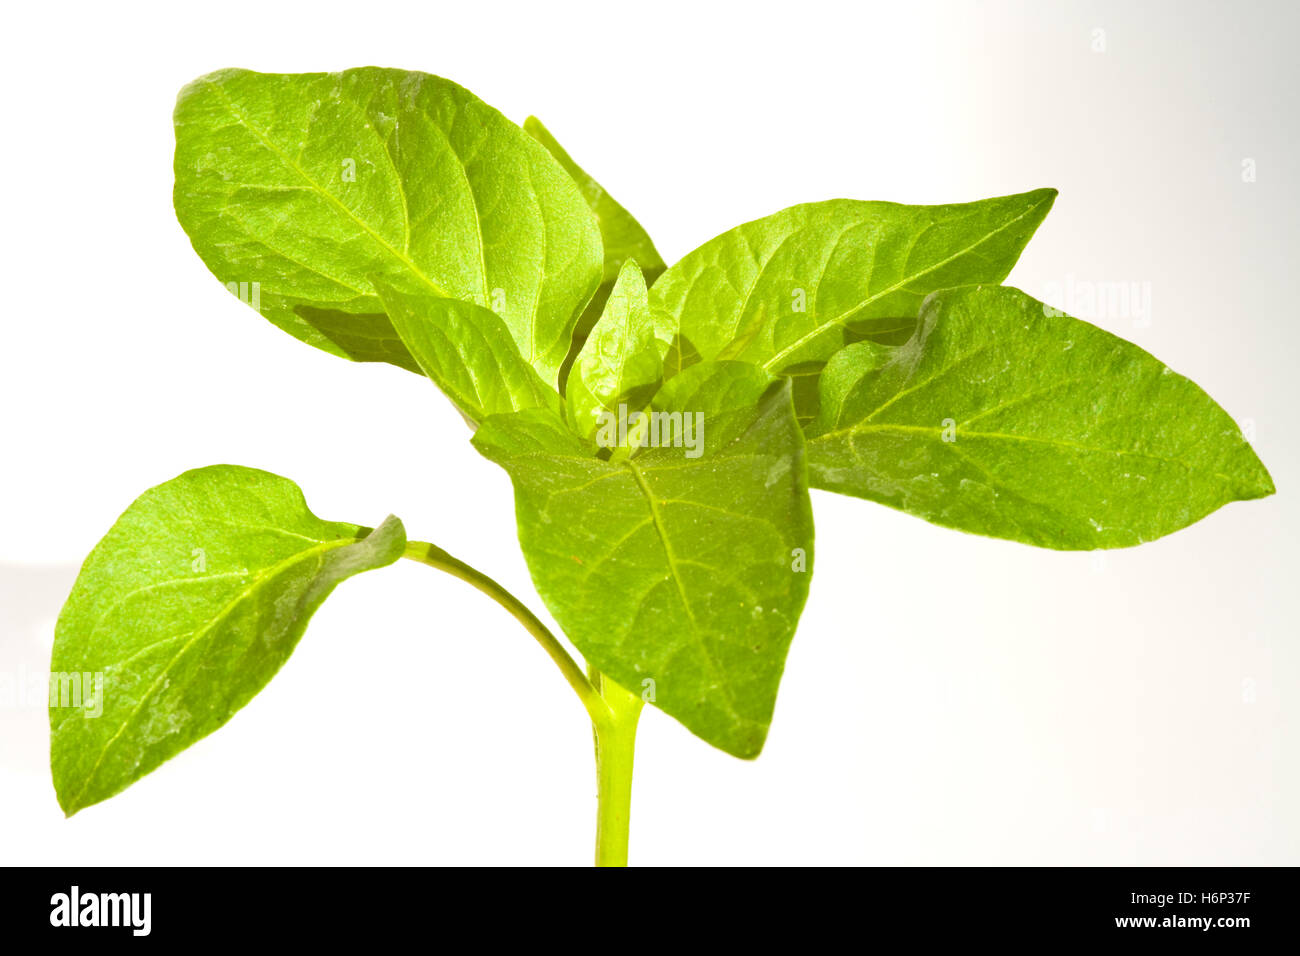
{"x": 623, "y": 237}
{"x": 187, "y": 607}
{"x": 309, "y": 184}
{"x": 788, "y": 291}
{"x": 468, "y": 352}
{"x": 681, "y": 575}
{"x": 1003, "y": 417}
{"x": 619, "y": 363}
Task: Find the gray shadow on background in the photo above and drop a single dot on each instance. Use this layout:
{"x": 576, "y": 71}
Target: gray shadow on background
{"x": 30, "y": 598}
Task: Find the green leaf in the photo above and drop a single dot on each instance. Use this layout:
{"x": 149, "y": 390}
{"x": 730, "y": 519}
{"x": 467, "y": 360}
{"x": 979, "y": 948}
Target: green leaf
{"x": 681, "y": 576}
{"x": 714, "y": 388}
{"x": 619, "y": 363}
{"x": 788, "y": 291}
{"x": 847, "y": 368}
{"x": 309, "y": 184}
{"x": 1005, "y": 418}
{"x": 623, "y": 237}
{"x": 468, "y": 352}
{"x": 361, "y": 336}
{"x": 187, "y": 607}
{"x": 724, "y": 392}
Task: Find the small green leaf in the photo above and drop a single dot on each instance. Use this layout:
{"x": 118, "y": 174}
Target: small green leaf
{"x": 847, "y": 368}
{"x": 726, "y": 393}
{"x": 1005, "y": 418}
{"x": 623, "y": 237}
{"x": 714, "y": 388}
{"x": 682, "y": 578}
{"x": 619, "y": 363}
{"x": 788, "y": 291}
{"x": 468, "y": 352}
{"x": 297, "y": 188}
{"x": 187, "y": 608}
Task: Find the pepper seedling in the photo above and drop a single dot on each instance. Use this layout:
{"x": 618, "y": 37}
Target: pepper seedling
{"x": 661, "y": 425}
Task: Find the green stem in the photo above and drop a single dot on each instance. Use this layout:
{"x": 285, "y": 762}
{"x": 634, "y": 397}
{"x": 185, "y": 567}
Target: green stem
{"x": 435, "y": 557}
{"x": 613, "y": 710}
{"x": 615, "y": 745}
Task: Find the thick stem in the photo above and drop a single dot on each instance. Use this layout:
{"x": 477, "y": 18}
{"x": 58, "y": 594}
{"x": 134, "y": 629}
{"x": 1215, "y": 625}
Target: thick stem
{"x": 615, "y": 745}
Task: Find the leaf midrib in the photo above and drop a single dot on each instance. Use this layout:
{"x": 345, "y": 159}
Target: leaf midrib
{"x": 931, "y": 431}
{"x": 662, "y": 532}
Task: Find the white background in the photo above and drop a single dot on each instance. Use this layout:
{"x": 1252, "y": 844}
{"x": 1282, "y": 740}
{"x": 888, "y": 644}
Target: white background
{"x": 948, "y": 699}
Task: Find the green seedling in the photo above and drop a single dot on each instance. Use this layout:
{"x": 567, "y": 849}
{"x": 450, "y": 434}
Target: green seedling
{"x": 661, "y": 425}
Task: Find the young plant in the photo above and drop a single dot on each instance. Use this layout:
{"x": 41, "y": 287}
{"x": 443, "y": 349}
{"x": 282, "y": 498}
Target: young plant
{"x": 661, "y": 440}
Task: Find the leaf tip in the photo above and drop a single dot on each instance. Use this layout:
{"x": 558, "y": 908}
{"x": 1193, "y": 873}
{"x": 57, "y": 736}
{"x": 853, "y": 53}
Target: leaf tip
{"x": 1262, "y": 482}
{"x": 743, "y": 743}
{"x": 68, "y": 801}
{"x": 1044, "y": 197}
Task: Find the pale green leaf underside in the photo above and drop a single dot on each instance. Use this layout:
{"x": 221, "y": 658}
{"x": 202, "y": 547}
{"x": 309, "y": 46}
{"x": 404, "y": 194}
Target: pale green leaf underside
{"x": 788, "y": 291}
{"x": 309, "y": 184}
{"x": 681, "y": 571}
{"x": 360, "y": 336}
{"x": 468, "y": 352}
{"x": 619, "y": 363}
{"x": 1005, "y": 418}
{"x": 188, "y": 606}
